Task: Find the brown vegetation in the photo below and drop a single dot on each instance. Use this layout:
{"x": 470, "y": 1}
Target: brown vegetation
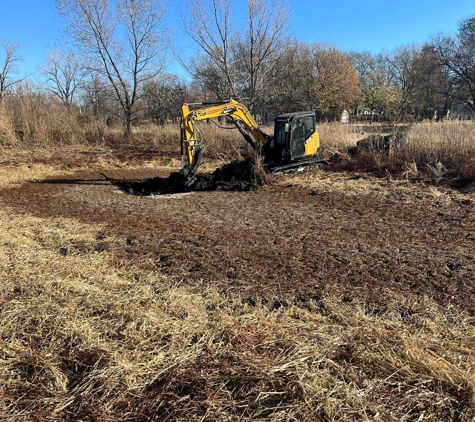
{"x": 441, "y": 152}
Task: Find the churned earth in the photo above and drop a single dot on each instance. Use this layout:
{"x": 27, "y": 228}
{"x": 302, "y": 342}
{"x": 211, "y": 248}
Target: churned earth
{"x": 287, "y": 243}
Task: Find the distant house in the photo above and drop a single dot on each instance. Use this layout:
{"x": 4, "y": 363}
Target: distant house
{"x": 364, "y": 111}
{"x": 345, "y": 116}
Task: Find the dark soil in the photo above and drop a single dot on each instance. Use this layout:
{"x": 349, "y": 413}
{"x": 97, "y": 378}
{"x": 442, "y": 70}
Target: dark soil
{"x": 236, "y": 176}
{"x": 280, "y": 244}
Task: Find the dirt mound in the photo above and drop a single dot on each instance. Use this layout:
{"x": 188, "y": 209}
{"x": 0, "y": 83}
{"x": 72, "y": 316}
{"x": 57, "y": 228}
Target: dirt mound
{"x": 236, "y": 176}
{"x": 466, "y": 184}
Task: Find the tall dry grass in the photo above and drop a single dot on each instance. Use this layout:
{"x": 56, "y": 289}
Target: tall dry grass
{"x": 435, "y": 149}
{"x": 220, "y": 141}
{"x": 7, "y": 131}
{"x": 440, "y": 147}
{"x": 30, "y": 122}
{"x": 336, "y": 138}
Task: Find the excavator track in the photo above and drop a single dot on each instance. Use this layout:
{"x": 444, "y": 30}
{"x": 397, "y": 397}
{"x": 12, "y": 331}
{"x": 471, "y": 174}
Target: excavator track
{"x": 275, "y": 168}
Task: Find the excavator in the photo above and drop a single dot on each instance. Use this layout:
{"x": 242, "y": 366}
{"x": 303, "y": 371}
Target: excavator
{"x": 295, "y": 141}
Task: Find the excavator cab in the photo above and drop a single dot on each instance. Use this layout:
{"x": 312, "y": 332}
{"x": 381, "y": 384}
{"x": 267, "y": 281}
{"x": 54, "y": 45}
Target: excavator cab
{"x": 295, "y": 136}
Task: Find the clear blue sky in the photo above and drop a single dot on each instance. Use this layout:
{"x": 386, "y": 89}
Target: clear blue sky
{"x": 350, "y": 25}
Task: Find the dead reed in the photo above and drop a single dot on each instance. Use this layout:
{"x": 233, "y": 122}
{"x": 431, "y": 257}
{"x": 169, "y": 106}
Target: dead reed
{"x": 336, "y": 138}
{"x": 441, "y": 147}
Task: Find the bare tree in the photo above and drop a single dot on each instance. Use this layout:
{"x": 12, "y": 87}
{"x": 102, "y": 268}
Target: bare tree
{"x": 381, "y": 92}
{"x": 122, "y": 41}
{"x": 211, "y": 78}
{"x": 98, "y": 97}
{"x": 282, "y": 93}
{"x": 7, "y": 67}
{"x": 163, "y": 98}
{"x": 402, "y": 64}
{"x": 364, "y": 64}
{"x": 388, "y": 80}
{"x": 433, "y": 86}
{"x": 208, "y": 23}
{"x": 237, "y": 61}
{"x": 261, "y": 45}
{"x": 64, "y": 75}
{"x": 457, "y": 56}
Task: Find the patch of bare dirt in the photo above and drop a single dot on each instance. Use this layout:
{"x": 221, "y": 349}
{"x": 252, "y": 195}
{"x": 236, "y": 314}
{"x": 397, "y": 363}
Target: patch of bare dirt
{"x": 281, "y": 244}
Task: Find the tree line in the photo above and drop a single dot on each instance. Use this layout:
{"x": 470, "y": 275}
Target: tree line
{"x": 116, "y": 70}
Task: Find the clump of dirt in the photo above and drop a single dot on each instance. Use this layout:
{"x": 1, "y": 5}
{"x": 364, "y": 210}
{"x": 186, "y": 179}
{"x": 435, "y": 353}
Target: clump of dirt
{"x": 236, "y": 176}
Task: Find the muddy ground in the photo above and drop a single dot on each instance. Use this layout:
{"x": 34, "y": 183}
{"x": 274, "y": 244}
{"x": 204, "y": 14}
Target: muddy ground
{"x": 285, "y": 243}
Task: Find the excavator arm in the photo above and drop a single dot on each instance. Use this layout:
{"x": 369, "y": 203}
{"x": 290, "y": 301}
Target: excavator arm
{"x": 191, "y": 149}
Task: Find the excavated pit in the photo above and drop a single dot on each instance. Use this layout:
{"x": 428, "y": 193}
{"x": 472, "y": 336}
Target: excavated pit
{"x": 236, "y": 176}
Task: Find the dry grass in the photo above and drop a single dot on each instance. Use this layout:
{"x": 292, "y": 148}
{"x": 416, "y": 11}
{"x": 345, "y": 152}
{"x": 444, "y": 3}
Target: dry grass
{"x": 85, "y": 336}
{"x": 30, "y": 122}
{"x": 429, "y": 150}
{"x": 441, "y": 147}
{"x": 7, "y": 132}
{"x": 336, "y": 138}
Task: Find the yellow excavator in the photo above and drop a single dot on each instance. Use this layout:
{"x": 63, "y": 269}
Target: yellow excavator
{"x": 295, "y": 141}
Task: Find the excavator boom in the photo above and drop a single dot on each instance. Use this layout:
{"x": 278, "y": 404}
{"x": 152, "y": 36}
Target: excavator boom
{"x": 231, "y": 109}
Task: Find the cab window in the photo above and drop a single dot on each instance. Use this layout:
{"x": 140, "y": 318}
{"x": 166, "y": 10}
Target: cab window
{"x": 279, "y": 133}
{"x": 298, "y": 130}
{"x": 309, "y": 125}
{"x": 303, "y": 127}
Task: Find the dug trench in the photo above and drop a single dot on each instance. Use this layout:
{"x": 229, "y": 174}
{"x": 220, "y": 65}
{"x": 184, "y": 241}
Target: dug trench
{"x": 236, "y": 176}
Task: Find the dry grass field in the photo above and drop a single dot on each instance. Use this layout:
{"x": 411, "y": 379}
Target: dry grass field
{"x": 327, "y": 295}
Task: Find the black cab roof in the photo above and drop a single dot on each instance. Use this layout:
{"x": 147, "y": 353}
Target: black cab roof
{"x": 290, "y": 116}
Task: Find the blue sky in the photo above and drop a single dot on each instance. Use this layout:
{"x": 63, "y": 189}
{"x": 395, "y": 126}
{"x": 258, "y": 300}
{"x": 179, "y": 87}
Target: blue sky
{"x": 351, "y": 25}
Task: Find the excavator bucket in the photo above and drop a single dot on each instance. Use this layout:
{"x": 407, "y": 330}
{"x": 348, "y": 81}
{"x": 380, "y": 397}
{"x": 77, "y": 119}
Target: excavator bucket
{"x": 190, "y": 171}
